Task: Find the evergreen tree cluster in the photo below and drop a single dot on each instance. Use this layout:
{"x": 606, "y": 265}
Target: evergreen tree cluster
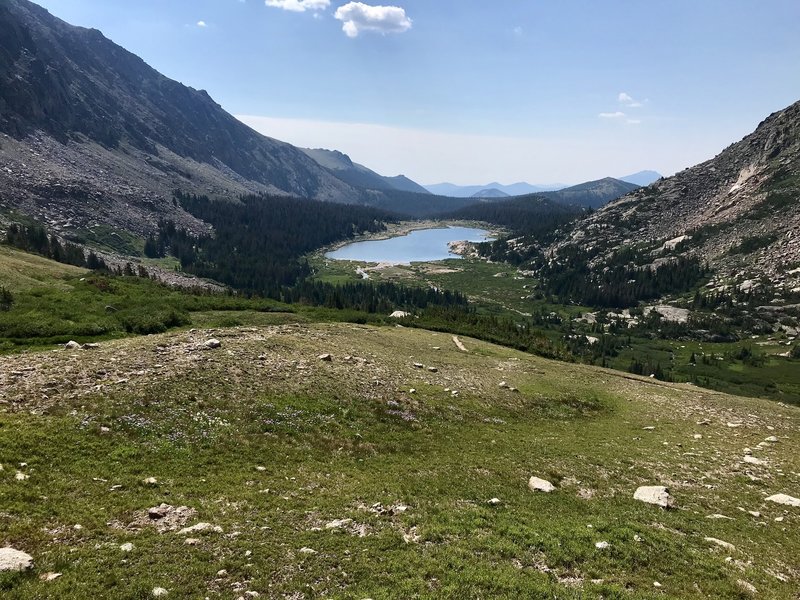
{"x": 35, "y": 239}
{"x": 621, "y": 283}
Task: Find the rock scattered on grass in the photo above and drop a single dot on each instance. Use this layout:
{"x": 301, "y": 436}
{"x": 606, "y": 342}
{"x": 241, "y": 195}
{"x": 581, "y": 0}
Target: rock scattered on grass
{"x": 720, "y": 543}
{"x": 654, "y": 494}
{"x": 325, "y": 357}
{"x": 199, "y": 528}
{"x": 212, "y": 344}
{"x": 752, "y": 460}
{"x": 602, "y": 545}
{"x": 540, "y": 485}
{"x": 494, "y": 502}
{"x": 338, "y": 523}
{"x": 159, "y": 592}
{"x": 127, "y": 547}
{"x": 72, "y": 345}
{"x": 49, "y": 576}
{"x": 308, "y": 551}
{"x": 150, "y": 481}
{"x": 784, "y": 499}
{"x": 12, "y": 559}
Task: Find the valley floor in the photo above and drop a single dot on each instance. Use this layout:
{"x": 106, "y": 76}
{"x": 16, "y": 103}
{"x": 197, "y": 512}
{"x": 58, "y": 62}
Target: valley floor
{"x": 370, "y": 474}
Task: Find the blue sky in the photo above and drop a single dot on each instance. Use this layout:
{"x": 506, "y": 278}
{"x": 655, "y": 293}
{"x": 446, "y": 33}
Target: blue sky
{"x": 471, "y": 91}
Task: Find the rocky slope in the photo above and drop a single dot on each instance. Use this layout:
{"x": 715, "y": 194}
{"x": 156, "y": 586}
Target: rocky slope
{"x": 91, "y": 134}
{"x": 740, "y": 211}
{"x": 358, "y": 175}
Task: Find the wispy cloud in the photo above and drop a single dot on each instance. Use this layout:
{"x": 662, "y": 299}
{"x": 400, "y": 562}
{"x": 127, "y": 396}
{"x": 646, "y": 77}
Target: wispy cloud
{"x": 299, "y": 5}
{"x": 633, "y": 121}
{"x": 612, "y": 115}
{"x": 357, "y": 17}
{"x": 628, "y": 101}
{"x": 202, "y": 24}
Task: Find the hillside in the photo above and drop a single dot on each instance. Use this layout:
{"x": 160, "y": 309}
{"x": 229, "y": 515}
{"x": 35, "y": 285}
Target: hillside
{"x": 642, "y": 178}
{"x": 358, "y": 175}
{"x": 490, "y": 193}
{"x": 157, "y": 462}
{"x": 592, "y": 194}
{"x": 93, "y": 135}
{"x": 739, "y": 211}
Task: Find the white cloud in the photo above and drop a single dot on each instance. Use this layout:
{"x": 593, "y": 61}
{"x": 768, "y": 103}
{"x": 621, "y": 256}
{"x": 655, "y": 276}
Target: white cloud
{"x": 612, "y": 115}
{"x": 357, "y": 17}
{"x": 634, "y": 121}
{"x": 299, "y": 5}
{"x": 628, "y": 101}
{"x": 202, "y": 24}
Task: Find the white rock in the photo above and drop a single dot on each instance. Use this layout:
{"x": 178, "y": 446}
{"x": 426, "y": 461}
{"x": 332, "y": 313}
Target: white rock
{"x": 754, "y": 513}
{"x": 308, "y": 551}
{"x": 212, "y": 343}
{"x": 159, "y": 592}
{"x": 602, "y": 545}
{"x": 720, "y": 543}
{"x": 49, "y": 576}
{"x": 785, "y": 500}
{"x": 540, "y": 485}
{"x": 654, "y": 494}
{"x": 127, "y": 547}
{"x": 656, "y": 584}
{"x": 150, "y": 481}
{"x": 752, "y": 460}
{"x": 20, "y": 476}
{"x": 14, "y": 560}
{"x": 399, "y": 314}
{"x": 325, "y": 357}
{"x": 72, "y": 345}
{"x": 338, "y": 523}
{"x": 191, "y": 542}
{"x": 494, "y": 501}
{"x": 771, "y": 439}
{"x": 200, "y": 527}
{"x": 734, "y": 425}
{"x": 698, "y": 436}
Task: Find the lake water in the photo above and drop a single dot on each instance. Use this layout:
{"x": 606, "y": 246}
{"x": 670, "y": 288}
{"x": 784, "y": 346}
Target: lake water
{"x": 421, "y": 245}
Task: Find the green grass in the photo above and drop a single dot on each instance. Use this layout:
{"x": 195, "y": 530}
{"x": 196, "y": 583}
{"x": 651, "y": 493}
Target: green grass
{"x": 331, "y": 443}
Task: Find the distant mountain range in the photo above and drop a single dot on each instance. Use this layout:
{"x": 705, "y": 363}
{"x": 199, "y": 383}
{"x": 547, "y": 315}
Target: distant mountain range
{"x": 642, "y": 178}
{"x": 468, "y": 191}
{"x": 592, "y": 194}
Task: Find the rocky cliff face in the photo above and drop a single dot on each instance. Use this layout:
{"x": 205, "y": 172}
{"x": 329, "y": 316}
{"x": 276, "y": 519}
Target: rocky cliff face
{"x": 739, "y": 211}
{"x": 90, "y": 133}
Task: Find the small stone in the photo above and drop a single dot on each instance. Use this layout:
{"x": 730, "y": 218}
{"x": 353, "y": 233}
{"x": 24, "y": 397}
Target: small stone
{"x": 656, "y": 584}
{"x": 104, "y": 429}
{"x": 754, "y": 513}
{"x": 719, "y": 516}
{"x": 704, "y": 422}
{"x": 150, "y": 481}
{"x": 49, "y": 576}
{"x": 199, "y": 528}
{"x": 212, "y": 344}
{"x": 222, "y": 573}
{"x": 698, "y": 436}
{"x": 772, "y": 439}
{"x": 325, "y": 357}
{"x": 191, "y": 542}
{"x": 159, "y": 592}
{"x": 637, "y": 537}
{"x": 433, "y": 369}
{"x": 127, "y": 547}
{"x": 503, "y": 385}
{"x": 747, "y": 586}
{"x": 649, "y": 428}
{"x": 261, "y": 469}
{"x": 654, "y": 494}
{"x": 734, "y": 425}
{"x": 494, "y": 502}
{"x": 720, "y": 543}
{"x": 20, "y": 476}
{"x": 14, "y": 560}
{"x": 602, "y": 545}
{"x": 748, "y": 451}
{"x": 785, "y": 500}
{"x": 418, "y": 365}
{"x": 72, "y": 345}
{"x": 412, "y": 391}
{"x": 307, "y": 551}
{"x": 338, "y": 523}
{"x": 752, "y": 460}
{"x": 540, "y": 485}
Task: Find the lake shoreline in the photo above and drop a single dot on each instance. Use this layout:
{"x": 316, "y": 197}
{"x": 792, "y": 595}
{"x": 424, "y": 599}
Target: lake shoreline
{"x": 433, "y": 241}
